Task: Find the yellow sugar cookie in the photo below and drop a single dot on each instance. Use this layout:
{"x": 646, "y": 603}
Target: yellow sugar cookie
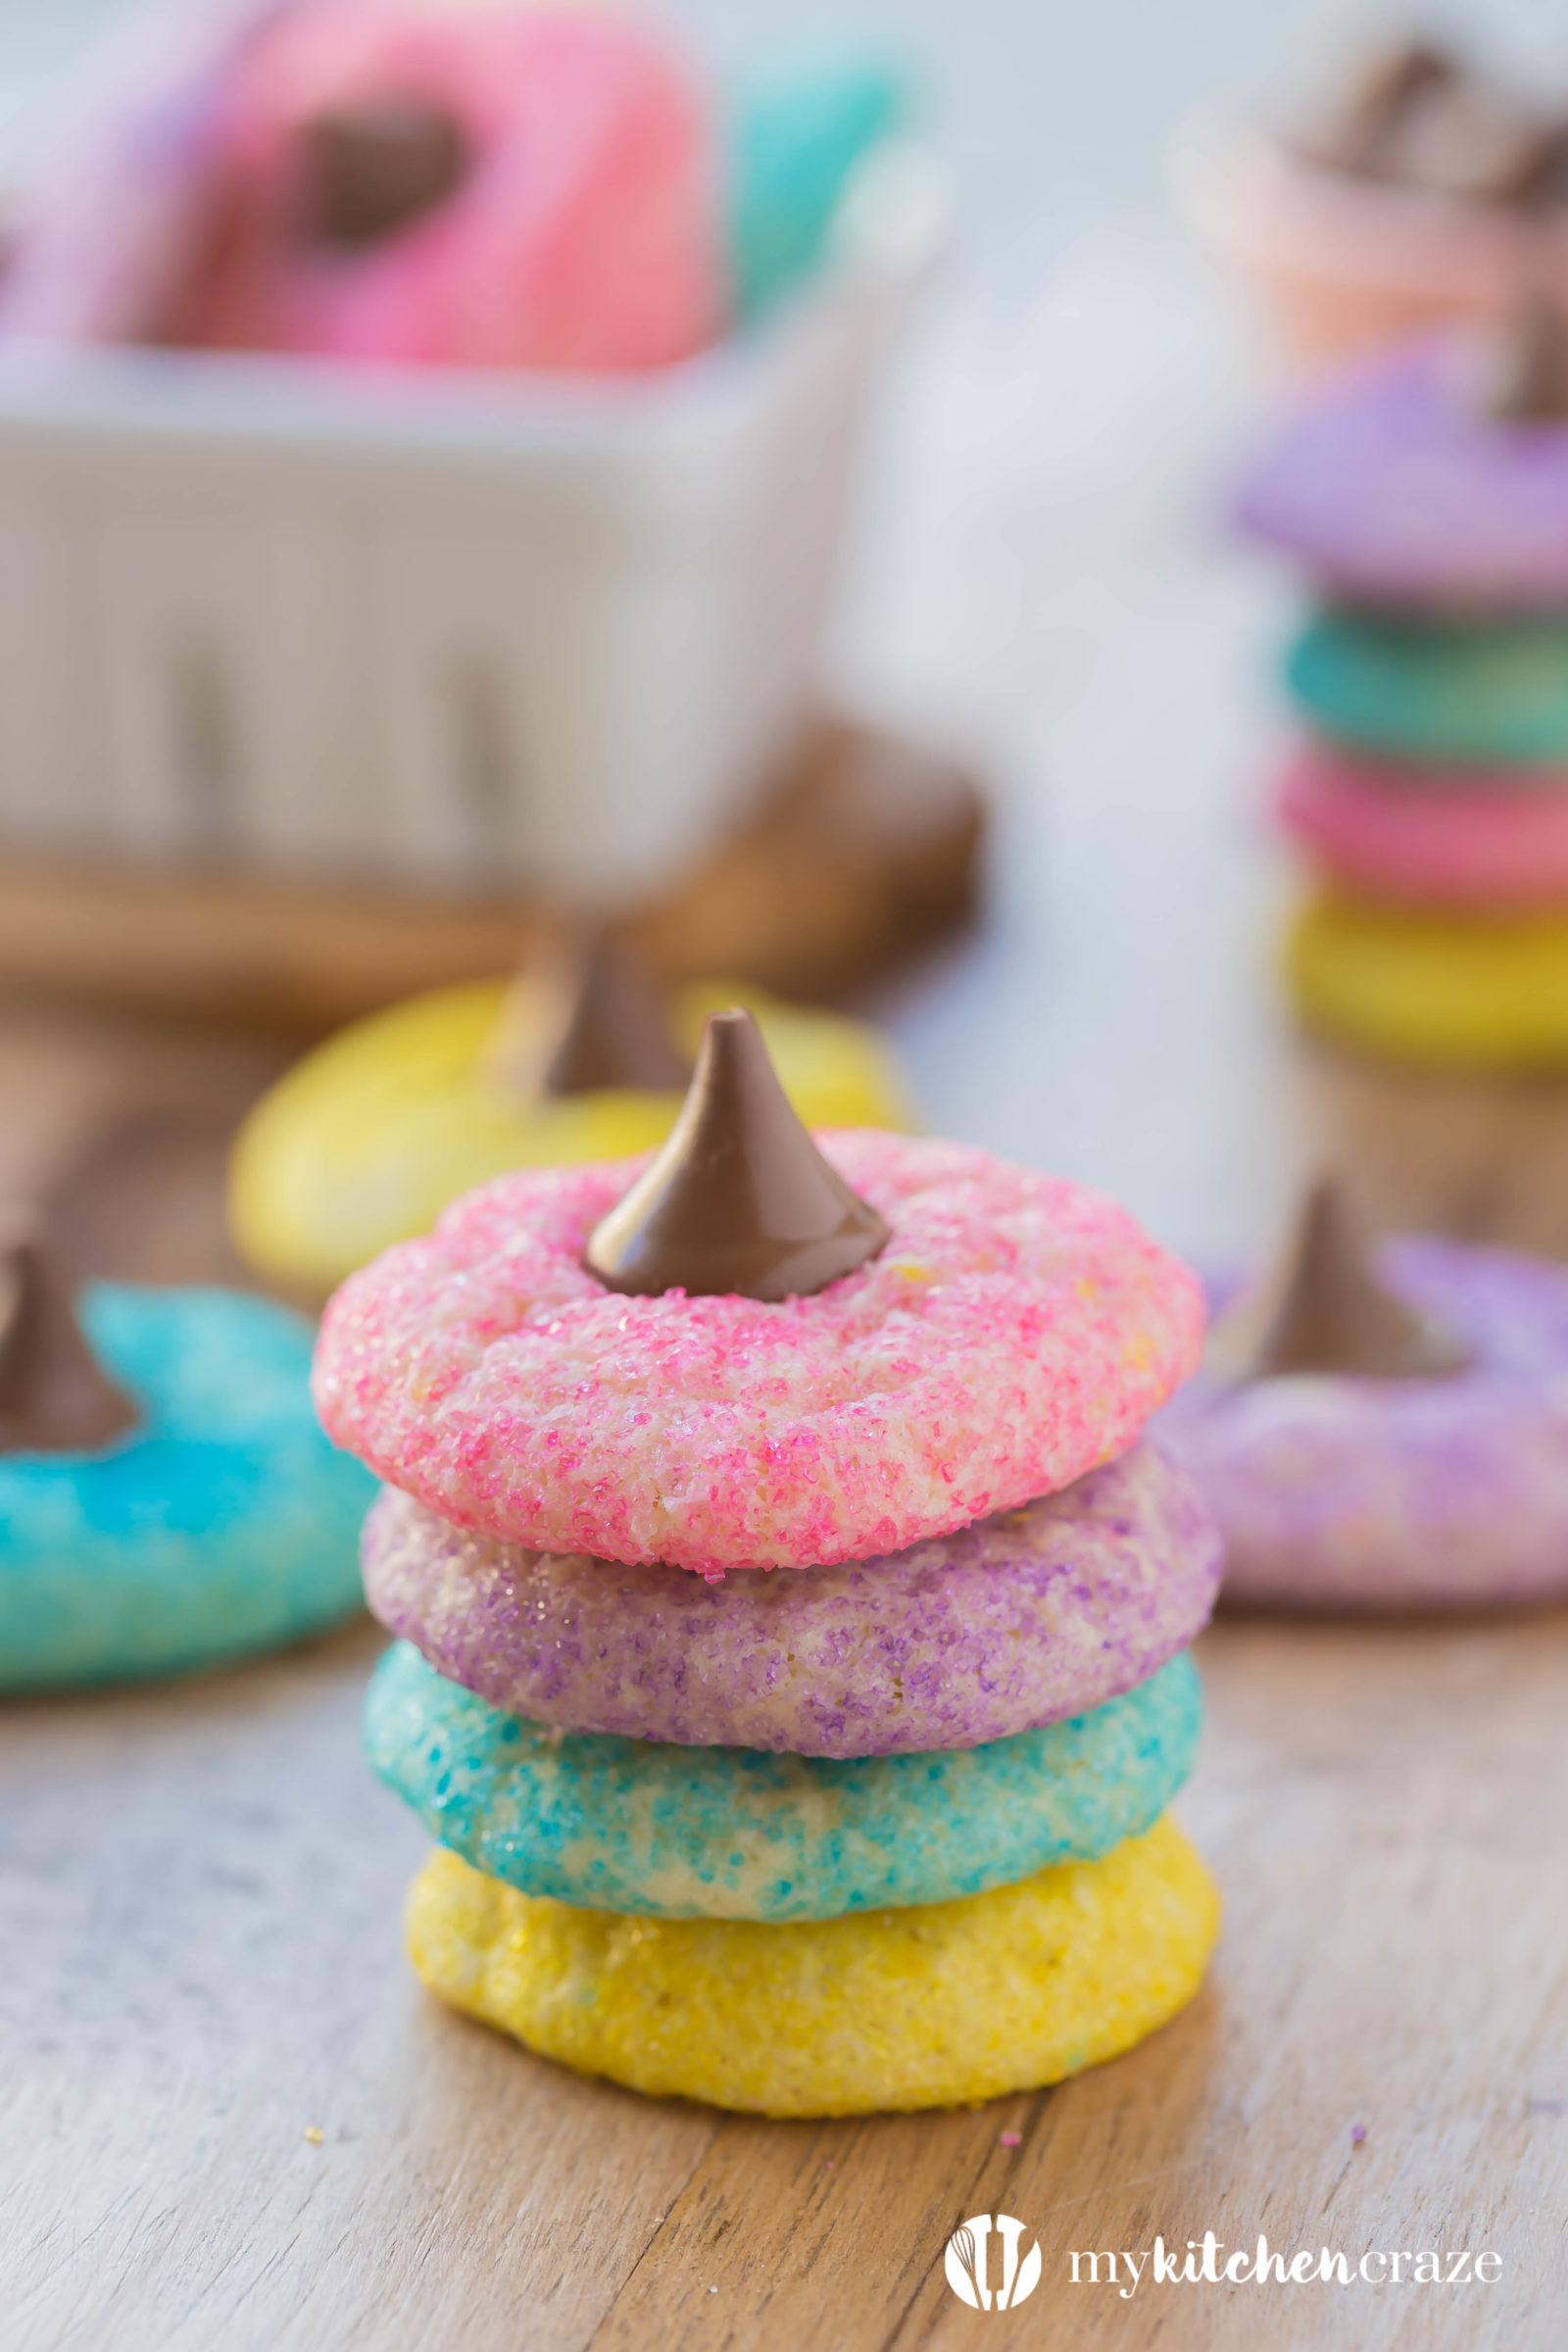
{"x": 934, "y": 2006}
{"x": 365, "y": 1140}
{"x": 1460, "y": 992}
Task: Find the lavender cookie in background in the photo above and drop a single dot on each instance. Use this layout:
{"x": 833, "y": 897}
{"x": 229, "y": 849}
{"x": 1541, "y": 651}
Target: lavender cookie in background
{"x": 1384, "y": 1428}
{"x": 1432, "y": 478}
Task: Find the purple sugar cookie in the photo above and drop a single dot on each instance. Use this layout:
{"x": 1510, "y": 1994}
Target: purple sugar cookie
{"x": 1022, "y": 1620}
{"x": 1342, "y": 1493}
{"x": 1394, "y": 487}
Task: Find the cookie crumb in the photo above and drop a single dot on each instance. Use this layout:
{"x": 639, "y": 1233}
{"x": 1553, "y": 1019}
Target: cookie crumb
{"x": 315, "y": 2135}
{"x": 1010, "y": 2139}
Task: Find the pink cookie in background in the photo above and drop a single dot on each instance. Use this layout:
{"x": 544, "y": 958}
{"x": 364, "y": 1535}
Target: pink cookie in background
{"x": 495, "y": 188}
{"x": 1422, "y": 187}
{"x": 1014, "y": 1331}
{"x": 1478, "y": 839}
{"x": 1346, "y": 266}
{"x": 1395, "y": 485}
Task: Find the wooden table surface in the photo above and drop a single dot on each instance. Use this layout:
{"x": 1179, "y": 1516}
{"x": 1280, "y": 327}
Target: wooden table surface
{"x": 200, "y": 1884}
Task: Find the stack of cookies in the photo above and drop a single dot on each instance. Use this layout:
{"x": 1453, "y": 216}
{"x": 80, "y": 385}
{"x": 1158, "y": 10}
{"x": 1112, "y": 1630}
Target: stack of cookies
{"x": 1426, "y": 495}
{"x": 794, "y": 1624}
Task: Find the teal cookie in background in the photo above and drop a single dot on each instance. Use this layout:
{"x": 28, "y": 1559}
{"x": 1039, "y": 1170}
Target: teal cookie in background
{"x": 1473, "y": 691}
{"x": 795, "y": 138}
{"x": 222, "y": 1521}
{"x": 733, "y": 1832}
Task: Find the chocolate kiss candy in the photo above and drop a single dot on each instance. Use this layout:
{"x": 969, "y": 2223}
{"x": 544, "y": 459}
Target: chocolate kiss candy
{"x": 1525, "y": 377}
{"x": 1379, "y": 95}
{"x": 1326, "y": 1311}
{"x": 1466, "y": 140}
{"x": 54, "y": 1396}
{"x": 614, "y": 1033}
{"x": 371, "y": 168}
{"x": 609, "y": 1029}
{"x": 740, "y": 1198}
{"x": 1419, "y": 118}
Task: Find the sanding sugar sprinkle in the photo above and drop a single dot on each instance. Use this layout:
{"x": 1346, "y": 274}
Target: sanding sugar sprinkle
{"x": 485, "y": 1370}
{"x": 1010, "y": 2139}
{"x": 315, "y": 2135}
{"x": 1357, "y": 2134}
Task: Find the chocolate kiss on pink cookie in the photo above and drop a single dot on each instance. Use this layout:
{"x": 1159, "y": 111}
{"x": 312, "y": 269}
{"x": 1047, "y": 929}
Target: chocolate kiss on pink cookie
{"x": 1384, "y": 1430}
{"x": 985, "y": 1334}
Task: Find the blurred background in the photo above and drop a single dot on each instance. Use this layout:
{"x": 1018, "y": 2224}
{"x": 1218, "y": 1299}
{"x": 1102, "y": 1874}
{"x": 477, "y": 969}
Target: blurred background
{"x": 1052, "y": 116}
{"x": 1034, "y": 595}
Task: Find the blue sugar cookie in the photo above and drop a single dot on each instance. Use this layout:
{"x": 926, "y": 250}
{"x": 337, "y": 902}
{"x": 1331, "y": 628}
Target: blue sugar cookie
{"x": 735, "y": 1832}
{"x": 224, "y": 1522}
{"x": 795, "y": 141}
{"x": 1473, "y": 691}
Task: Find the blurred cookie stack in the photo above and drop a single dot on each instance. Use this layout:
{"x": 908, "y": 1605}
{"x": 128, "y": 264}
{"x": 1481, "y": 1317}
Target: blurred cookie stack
{"x": 1425, "y": 496}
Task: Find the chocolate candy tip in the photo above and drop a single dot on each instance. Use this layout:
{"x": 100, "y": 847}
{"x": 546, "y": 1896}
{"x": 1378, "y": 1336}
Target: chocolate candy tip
{"x": 54, "y": 1396}
{"x": 1325, "y": 1310}
{"x": 740, "y": 1200}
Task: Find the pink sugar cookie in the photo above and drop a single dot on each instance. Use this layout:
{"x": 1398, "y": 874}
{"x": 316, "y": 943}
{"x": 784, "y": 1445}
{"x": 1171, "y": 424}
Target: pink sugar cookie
{"x": 1479, "y": 840}
{"x": 1016, "y": 1330}
{"x": 582, "y": 233}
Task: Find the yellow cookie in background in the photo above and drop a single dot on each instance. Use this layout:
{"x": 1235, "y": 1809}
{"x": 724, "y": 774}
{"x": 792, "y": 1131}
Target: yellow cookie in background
{"x": 934, "y": 2006}
{"x": 1460, "y": 992}
{"x": 365, "y": 1140}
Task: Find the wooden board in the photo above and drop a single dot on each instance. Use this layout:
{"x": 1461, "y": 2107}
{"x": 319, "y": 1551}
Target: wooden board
{"x": 865, "y": 853}
{"x": 200, "y": 1886}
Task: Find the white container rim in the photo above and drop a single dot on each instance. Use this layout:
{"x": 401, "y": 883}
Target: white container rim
{"x": 890, "y": 229}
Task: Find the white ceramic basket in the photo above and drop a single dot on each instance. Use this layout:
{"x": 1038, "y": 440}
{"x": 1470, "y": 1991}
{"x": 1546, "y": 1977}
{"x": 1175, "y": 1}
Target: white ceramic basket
{"x": 463, "y": 631}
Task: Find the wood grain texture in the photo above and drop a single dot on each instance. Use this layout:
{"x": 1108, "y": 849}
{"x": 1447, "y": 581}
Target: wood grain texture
{"x": 200, "y": 1884}
{"x": 863, "y": 854}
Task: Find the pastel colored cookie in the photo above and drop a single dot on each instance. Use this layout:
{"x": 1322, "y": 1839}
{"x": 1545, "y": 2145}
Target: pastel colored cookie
{"x": 1340, "y": 1493}
{"x": 564, "y": 217}
{"x": 1460, "y": 992}
{"x": 1392, "y": 486}
{"x": 225, "y": 1523}
{"x": 1022, "y": 1619}
{"x": 729, "y": 1832}
{"x": 369, "y": 1138}
{"x": 795, "y": 141}
{"x": 1343, "y": 264}
{"x": 1379, "y": 828}
{"x": 1014, "y": 1330}
{"x": 939, "y": 2006}
{"x": 1476, "y": 692}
